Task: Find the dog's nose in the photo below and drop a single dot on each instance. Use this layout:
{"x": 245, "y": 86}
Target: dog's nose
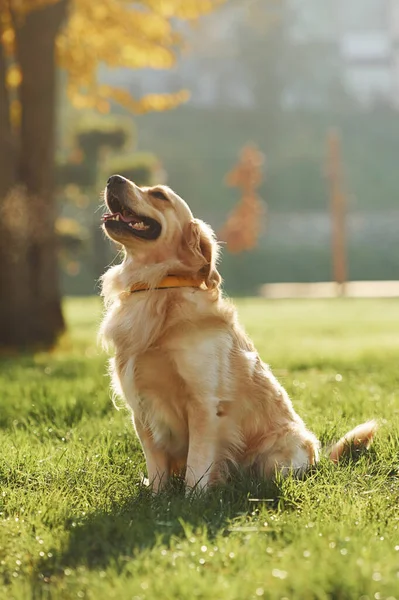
{"x": 115, "y": 180}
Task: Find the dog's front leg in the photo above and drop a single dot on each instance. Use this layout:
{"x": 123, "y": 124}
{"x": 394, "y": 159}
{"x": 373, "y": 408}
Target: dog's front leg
{"x": 156, "y": 459}
{"x": 202, "y": 432}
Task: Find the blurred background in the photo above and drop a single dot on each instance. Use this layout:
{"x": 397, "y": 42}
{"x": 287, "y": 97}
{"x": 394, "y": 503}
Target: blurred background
{"x": 276, "y": 120}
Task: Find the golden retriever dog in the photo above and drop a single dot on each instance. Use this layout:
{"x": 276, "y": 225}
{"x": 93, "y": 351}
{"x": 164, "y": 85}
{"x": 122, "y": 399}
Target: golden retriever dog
{"x": 201, "y": 397}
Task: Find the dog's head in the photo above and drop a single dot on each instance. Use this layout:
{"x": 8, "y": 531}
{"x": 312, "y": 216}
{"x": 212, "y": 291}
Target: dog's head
{"x": 157, "y": 229}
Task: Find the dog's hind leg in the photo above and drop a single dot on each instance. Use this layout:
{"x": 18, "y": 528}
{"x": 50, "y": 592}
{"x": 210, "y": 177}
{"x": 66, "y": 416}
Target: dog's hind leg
{"x": 293, "y": 452}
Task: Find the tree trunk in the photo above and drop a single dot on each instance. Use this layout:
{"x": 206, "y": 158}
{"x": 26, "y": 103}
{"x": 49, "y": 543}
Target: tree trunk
{"x": 6, "y": 138}
{"x": 10, "y": 251}
{"x": 36, "y": 319}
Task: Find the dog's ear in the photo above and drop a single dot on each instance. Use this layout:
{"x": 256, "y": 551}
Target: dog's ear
{"x": 203, "y": 251}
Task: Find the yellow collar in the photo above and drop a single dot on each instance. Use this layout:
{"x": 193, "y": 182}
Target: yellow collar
{"x": 170, "y": 281}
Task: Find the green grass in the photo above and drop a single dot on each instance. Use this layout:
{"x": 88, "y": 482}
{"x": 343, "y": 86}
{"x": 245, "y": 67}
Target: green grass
{"x": 77, "y": 523}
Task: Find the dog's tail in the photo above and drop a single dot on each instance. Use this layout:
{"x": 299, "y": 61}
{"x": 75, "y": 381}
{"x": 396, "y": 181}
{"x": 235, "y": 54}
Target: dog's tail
{"x": 359, "y": 437}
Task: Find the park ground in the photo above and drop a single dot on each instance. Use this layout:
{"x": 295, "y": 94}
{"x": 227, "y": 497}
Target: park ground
{"x": 76, "y": 521}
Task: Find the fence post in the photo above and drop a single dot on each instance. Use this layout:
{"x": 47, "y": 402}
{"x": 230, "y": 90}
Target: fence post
{"x": 338, "y": 202}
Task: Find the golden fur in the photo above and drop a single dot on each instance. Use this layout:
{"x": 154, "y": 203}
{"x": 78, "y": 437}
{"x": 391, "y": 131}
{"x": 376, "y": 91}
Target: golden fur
{"x": 200, "y": 396}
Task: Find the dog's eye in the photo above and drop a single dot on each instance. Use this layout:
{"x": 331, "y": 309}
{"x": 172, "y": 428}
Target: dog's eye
{"x": 158, "y": 194}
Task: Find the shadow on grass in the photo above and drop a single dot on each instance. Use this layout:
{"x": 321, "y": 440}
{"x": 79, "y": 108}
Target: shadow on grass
{"x": 123, "y": 530}
{"x": 118, "y": 534}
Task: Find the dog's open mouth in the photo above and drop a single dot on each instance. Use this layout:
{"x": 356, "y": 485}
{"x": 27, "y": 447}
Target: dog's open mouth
{"x": 123, "y": 220}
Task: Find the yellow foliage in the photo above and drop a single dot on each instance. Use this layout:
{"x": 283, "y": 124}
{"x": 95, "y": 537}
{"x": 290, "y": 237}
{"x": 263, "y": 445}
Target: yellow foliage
{"x": 15, "y": 113}
{"x": 65, "y": 226}
{"x": 103, "y": 106}
{"x": 7, "y": 35}
{"x": 25, "y": 6}
{"x": 13, "y": 77}
{"x": 115, "y": 33}
{"x": 149, "y": 102}
{"x": 183, "y": 9}
{"x": 7, "y": 39}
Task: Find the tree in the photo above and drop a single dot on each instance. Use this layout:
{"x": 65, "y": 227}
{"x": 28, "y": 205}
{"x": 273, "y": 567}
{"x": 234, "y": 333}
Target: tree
{"x": 78, "y": 35}
{"x": 243, "y": 225}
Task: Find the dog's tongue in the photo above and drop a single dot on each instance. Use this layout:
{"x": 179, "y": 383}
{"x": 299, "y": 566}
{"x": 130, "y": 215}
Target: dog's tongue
{"x": 125, "y": 218}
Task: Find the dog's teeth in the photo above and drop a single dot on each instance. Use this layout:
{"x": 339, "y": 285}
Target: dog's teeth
{"x": 117, "y": 218}
{"x": 140, "y": 226}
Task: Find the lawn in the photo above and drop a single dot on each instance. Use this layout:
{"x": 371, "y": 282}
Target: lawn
{"x": 76, "y": 522}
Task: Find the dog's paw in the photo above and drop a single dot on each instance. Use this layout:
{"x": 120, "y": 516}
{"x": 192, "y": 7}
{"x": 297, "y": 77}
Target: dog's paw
{"x": 145, "y": 481}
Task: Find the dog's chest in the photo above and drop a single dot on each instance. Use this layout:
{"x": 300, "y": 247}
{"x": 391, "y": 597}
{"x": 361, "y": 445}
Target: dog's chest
{"x": 156, "y": 376}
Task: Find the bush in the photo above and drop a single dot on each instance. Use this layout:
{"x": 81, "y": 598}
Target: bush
{"x": 83, "y": 174}
{"x": 140, "y": 167}
{"x": 92, "y": 136}
{"x": 93, "y": 132}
